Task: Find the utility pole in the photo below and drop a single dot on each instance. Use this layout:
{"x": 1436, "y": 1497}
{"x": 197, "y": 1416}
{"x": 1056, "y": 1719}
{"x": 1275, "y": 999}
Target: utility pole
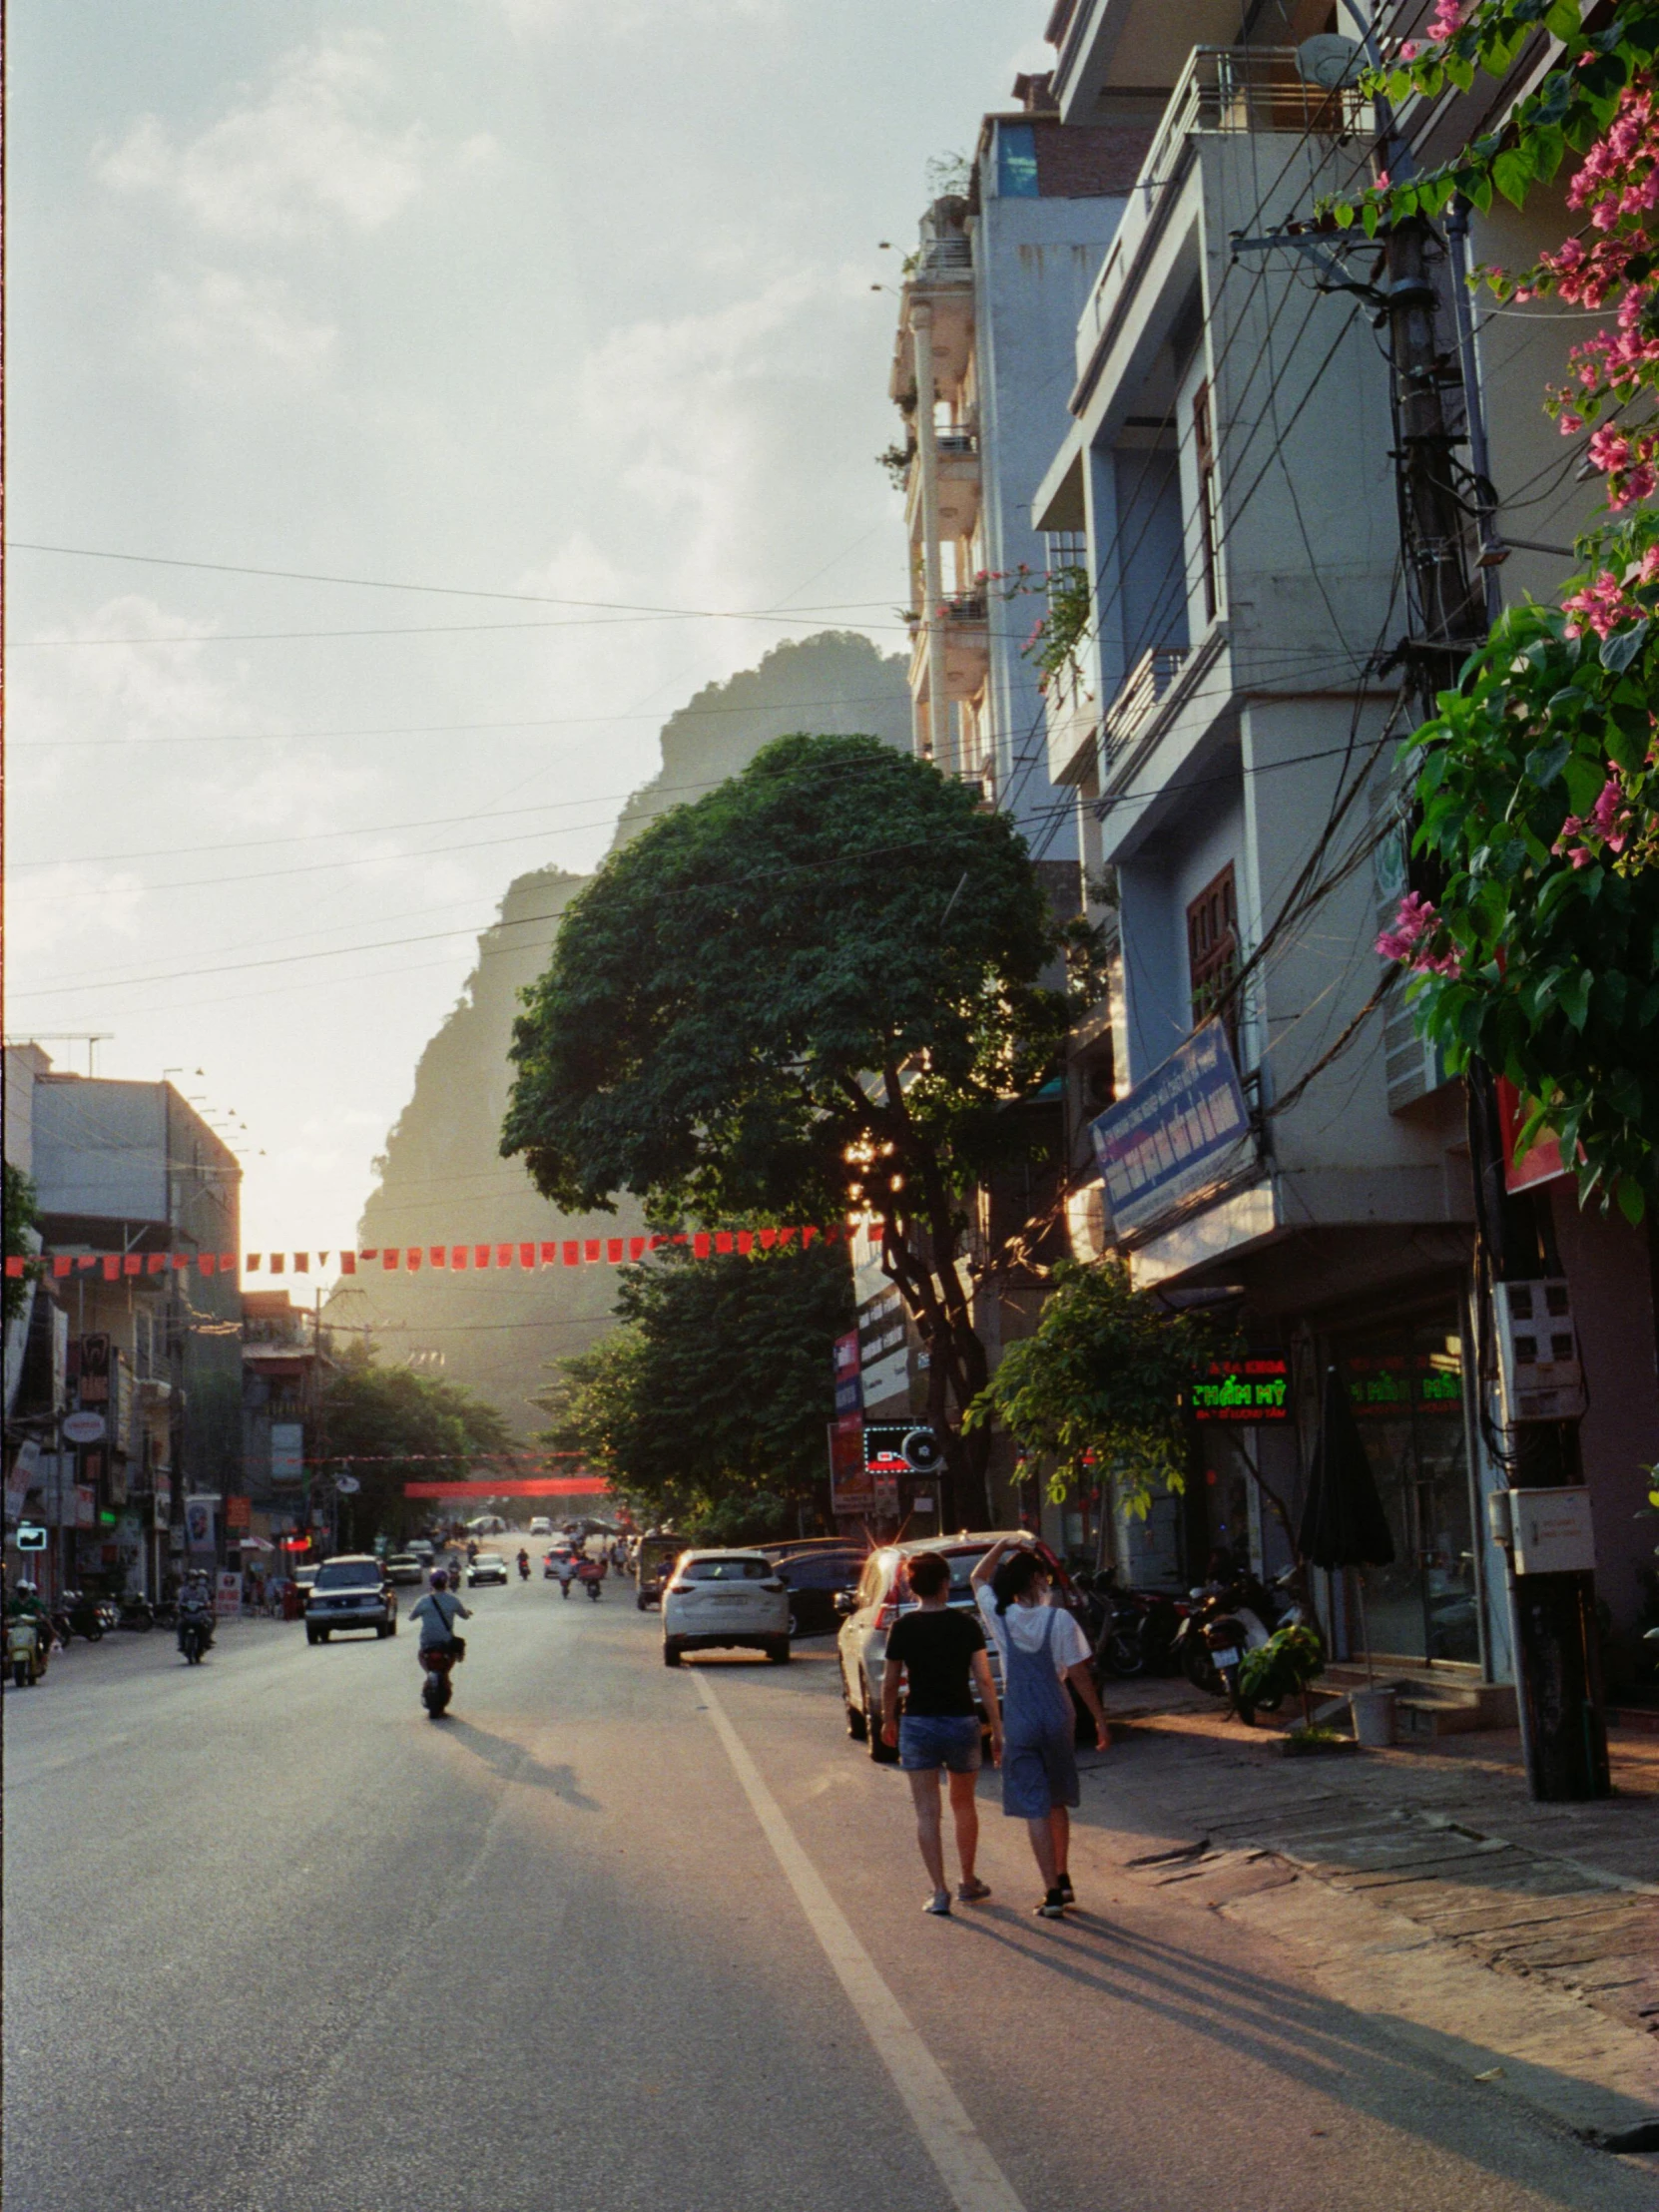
{"x": 1558, "y": 1658}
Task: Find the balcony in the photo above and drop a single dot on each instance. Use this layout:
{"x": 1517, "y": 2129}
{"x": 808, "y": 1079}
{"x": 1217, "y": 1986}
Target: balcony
{"x": 967, "y": 648}
{"x": 1147, "y": 683}
{"x": 1222, "y": 91}
{"x": 1071, "y": 713}
{"x": 956, "y": 473}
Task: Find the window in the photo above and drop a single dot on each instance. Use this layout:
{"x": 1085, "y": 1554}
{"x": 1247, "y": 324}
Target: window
{"x": 1204, "y": 449}
{"x": 1213, "y": 952}
{"x": 1016, "y": 161}
{"x": 726, "y": 1570}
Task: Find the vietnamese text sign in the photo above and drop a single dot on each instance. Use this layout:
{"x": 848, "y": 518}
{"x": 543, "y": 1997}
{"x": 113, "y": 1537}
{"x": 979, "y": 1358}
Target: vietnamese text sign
{"x": 1254, "y": 1389}
{"x": 1181, "y": 1130}
{"x": 849, "y": 1396}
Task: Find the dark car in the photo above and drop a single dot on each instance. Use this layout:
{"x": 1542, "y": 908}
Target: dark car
{"x": 403, "y": 1567}
{"x": 350, "y": 1592}
{"x": 814, "y": 1575}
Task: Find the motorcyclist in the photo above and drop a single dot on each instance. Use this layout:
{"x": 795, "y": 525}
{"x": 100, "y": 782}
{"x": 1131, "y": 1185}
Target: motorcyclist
{"x": 523, "y": 1565}
{"x": 437, "y": 1613}
{"x": 564, "y": 1566}
{"x": 195, "y": 1607}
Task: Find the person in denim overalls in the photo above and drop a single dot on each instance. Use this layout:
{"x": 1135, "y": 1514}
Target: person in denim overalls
{"x": 1042, "y": 1650}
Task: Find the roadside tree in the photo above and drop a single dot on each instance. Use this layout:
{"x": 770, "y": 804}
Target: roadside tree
{"x": 389, "y": 1425}
{"x": 812, "y": 992}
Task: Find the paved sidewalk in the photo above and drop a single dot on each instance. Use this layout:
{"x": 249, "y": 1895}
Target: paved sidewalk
{"x": 1419, "y": 1877}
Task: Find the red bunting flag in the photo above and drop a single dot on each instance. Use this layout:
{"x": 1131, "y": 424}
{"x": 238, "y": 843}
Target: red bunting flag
{"x": 458, "y": 1257}
{"x": 132, "y": 1263}
{"x": 301, "y": 1262}
{"x": 526, "y": 1255}
{"x": 480, "y": 1255}
{"x": 390, "y": 1255}
{"x": 348, "y": 1262}
{"x": 573, "y": 1253}
{"x": 412, "y": 1258}
{"x": 438, "y": 1255}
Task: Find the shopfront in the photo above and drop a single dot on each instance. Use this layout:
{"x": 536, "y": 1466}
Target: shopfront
{"x": 1406, "y": 1382}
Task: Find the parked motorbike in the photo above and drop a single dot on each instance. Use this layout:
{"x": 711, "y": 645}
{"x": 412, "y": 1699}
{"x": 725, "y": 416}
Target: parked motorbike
{"x": 137, "y": 1613}
{"x": 195, "y": 1635}
{"x": 108, "y": 1612}
{"x": 26, "y": 1649}
{"x": 165, "y": 1612}
{"x": 436, "y": 1661}
{"x": 81, "y": 1616}
{"x": 1227, "y": 1621}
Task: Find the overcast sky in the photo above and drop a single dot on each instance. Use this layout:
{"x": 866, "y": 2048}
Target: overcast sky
{"x": 546, "y": 298}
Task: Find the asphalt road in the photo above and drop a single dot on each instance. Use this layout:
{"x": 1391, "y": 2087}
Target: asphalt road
{"x": 614, "y": 1937}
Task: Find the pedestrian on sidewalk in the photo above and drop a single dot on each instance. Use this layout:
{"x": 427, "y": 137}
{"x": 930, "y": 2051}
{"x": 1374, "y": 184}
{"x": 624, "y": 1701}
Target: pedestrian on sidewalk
{"x": 1042, "y": 1650}
{"x": 938, "y": 1654}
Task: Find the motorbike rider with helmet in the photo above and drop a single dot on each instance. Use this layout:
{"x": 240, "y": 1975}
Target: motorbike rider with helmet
{"x": 523, "y": 1565}
{"x": 437, "y": 1613}
{"x": 196, "y": 1608}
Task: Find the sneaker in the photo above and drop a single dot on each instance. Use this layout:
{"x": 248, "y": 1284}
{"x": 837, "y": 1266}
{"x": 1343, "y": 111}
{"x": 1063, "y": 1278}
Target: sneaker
{"x": 939, "y": 1905}
{"x": 1053, "y": 1905}
{"x": 972, "y": 1892}
{"x": 1068, "y": 1896}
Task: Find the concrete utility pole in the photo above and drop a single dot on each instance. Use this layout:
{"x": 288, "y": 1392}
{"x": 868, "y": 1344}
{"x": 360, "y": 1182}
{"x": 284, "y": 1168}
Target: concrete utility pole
{"x": 1558, "y": 1658}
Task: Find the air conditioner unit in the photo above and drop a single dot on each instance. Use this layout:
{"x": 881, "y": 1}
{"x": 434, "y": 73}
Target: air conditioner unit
{"x": 1537, "y": 1350}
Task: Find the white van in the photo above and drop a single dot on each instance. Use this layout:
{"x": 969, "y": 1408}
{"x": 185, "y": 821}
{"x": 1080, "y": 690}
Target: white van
{"x": 540, "y": 1525}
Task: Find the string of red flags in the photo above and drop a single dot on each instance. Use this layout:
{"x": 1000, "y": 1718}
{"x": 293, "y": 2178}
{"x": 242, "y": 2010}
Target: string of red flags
{"x": 452, "y": 1259}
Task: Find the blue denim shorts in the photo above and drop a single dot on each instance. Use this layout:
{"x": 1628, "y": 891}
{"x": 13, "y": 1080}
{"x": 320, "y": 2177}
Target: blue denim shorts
{"x": 1039, "y": 1774}
{"x": 928, "y": 1741}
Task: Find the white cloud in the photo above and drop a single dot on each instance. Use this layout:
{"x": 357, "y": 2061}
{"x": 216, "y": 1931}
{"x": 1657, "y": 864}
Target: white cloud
{"x": 627, "y": 18}
{"x": 308, "y": 154}
{"x": 68, "y": 903}
{"x": 245, "y": 334}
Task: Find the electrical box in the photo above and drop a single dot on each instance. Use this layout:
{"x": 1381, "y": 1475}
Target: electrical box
{"x": 1551, "y": 1531}
{"x": 1499, "y": 1528}
{"x": 1537, "y": 1348}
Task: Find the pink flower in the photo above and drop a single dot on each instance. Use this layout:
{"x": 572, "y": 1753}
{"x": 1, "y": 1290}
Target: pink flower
{"x": 1571, "y": 425}
{"x": 1409, "y": 50}
{"x": 1448, "y": 18}
{"x": 1383, "y": 180}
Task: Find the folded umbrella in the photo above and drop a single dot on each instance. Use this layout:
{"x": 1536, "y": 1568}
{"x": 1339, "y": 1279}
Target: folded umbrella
{"x": 1343, "y": 1521}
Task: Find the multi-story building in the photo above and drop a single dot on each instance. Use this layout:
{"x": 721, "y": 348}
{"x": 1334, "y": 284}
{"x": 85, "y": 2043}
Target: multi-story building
{"x": 129, "y": 1173}
{"x": 285, "y": 1363}
{"x": 1229, "y": 725}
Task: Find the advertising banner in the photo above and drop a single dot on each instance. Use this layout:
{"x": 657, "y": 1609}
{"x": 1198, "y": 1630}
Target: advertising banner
{"x": 288, "y": 1455}
{"x": 228, "y": 1596}
{"x": 849, "y": 1394}
{"x": 851, "y": 1488}
{"x": 1182, "y": 1130}
{"x": 201, "y": 1523}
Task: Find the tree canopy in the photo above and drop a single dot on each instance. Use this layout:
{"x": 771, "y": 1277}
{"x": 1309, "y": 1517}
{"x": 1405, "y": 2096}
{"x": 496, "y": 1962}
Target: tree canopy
{"x": 716, "y": 1390}
{"x": 1100, "y": 1386}
{"x": 814, "y": 990}
{"x": 20, "y": 1218}
{"x": 396, "y": 1426}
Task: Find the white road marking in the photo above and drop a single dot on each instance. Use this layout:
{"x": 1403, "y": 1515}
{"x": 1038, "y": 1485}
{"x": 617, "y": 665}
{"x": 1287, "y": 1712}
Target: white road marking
{"x": 972, "y": 2176}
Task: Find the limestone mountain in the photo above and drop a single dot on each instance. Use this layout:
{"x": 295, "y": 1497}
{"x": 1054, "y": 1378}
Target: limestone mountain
{"x": 441, "y": 1178}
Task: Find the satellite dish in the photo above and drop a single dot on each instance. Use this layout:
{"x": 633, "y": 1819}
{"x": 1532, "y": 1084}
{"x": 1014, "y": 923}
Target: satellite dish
{"x": 920, "y": 1451}
{"x": 1329, "y": 61}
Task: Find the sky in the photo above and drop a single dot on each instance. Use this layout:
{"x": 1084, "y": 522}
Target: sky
{"x": 562, "y": 312}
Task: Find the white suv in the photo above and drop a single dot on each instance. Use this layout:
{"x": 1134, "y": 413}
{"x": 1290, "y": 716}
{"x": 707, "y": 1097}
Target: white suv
{"x": 883, "y": 1593}
{"x": 725, "y": 1599}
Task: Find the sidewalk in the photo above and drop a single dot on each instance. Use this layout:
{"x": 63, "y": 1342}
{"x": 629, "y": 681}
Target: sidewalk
{"x": 1424, "y": 1881}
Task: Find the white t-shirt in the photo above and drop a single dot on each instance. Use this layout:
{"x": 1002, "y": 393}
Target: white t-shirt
{"x": 1028, "y": 1625}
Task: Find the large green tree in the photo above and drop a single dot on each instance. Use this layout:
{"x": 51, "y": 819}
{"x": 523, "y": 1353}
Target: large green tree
{"x": 813, "y": 991}
{"x": 716, "y": 1390}
{"x": 20, "y": 1216}
{"x": 389, "y": 1425}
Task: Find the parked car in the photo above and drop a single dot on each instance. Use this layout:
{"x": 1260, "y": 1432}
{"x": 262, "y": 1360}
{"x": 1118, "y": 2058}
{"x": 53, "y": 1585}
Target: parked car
{"x": 403, "y": 1567}
{"x": 726, "y": 1600}
{"x": 421, "y": 1549}
{"x": 540, "y": 1525}
{"x": 350, "y": 1592}
{"x": 883, "y": 1592}
{"x": 815, "y": 1578}
{"x": 489, "y": 1566}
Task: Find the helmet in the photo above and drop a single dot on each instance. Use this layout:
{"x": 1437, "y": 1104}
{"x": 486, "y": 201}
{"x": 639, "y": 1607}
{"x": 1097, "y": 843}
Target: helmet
{"x": 440, "y": 1581}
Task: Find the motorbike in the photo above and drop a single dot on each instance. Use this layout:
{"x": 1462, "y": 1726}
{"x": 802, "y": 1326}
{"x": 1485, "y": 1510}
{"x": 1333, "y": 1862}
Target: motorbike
{"x": 26, "y": 1649}
{"x": 195, "y": 1635}
{"x": 592, "y": 1583}
{"x": 524, "y": 1567}
{"x": 1227, "y": 1621}
{"x": 138, "y": 1614}
{"x": 82, "y": 1617}
{"x": 436, "y": 1661}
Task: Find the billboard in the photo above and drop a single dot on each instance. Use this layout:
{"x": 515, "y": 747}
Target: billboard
{"x": 1179, "y": 1131}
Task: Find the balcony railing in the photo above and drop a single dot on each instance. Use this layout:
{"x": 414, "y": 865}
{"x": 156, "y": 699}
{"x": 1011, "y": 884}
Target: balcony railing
{"x": 1223, "y": 89}
{"x": 1148, "y": 681}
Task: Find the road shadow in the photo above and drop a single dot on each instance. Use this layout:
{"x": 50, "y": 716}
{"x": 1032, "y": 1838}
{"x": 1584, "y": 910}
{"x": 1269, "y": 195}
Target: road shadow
{"x": 1315, "y": 2041}
{"x": 512, "y": 1762}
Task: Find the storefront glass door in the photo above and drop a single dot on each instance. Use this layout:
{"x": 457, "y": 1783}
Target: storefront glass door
{"x": 1407, "y": 1390}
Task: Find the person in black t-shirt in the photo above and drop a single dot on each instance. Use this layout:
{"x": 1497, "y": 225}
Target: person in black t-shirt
{"x": 938, "y": 1654}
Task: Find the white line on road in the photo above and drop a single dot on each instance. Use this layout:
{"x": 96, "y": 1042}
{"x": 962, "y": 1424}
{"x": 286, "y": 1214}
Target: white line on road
{"x": 975, "y": 2179}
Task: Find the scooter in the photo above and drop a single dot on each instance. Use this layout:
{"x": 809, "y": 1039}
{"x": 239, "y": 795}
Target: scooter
{"x": 436, "y": 1662}
{"x": 137, "y": 1613}
{"x": 593, "y": 1584}
{"x": 25, "y": 1649}
{"x": 83, "y": 1616}
{"x": 524, "y": 1567}
{"x": 195, "y": 1635}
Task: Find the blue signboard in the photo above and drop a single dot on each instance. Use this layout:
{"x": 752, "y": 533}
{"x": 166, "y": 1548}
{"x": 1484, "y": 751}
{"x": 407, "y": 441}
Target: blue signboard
{"x": 1181, "y": 1130}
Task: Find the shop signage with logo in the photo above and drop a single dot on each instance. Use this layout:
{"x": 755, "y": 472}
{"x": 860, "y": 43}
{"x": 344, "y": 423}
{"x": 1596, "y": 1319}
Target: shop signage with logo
{"x": 1254, "y": 1389}
{"x": 83, "y": 1429}
{"x": 849, "y": 1394}
{"x": 94, "y": 1369}
{"x": 239, "y": 1513}
{"x": 1178, "y": 1133}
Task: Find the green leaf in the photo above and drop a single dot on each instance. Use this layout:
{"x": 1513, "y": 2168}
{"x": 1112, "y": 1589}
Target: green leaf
{"x": 1563, "y": 19}
{"x": 1584, "y": 778}
{"x": 1575, "y": 998}
{"x": 1546, "y": 764}
{"x": 1618, "y": 651}
{"x": 1633, "y": 1200}
{"x": 1512, "y": 173}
